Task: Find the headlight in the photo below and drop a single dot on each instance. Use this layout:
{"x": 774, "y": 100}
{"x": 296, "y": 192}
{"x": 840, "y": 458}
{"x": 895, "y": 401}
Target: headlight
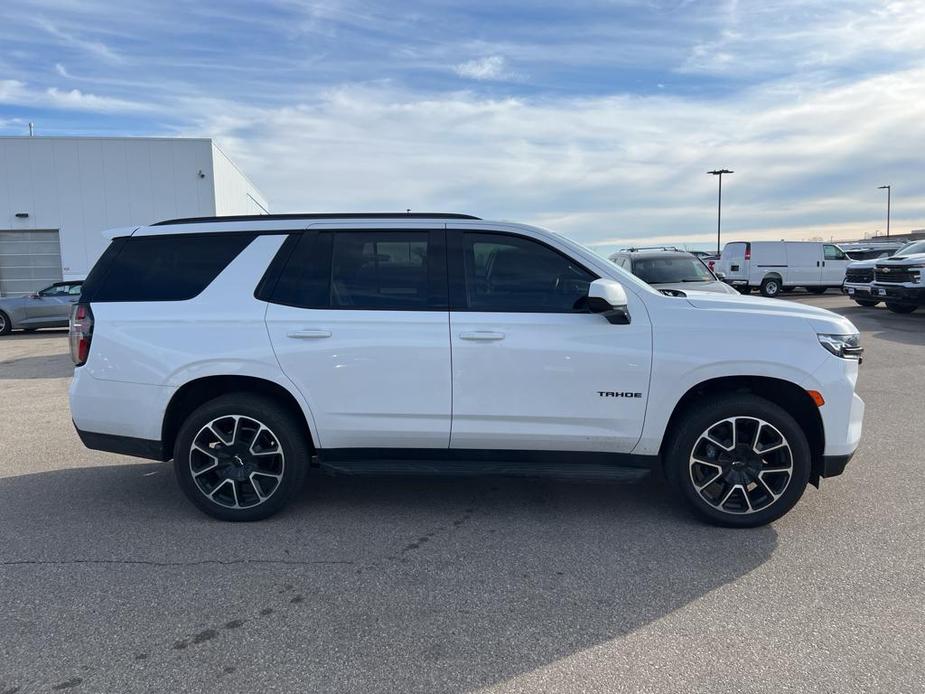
{"x": 844, "y": 346}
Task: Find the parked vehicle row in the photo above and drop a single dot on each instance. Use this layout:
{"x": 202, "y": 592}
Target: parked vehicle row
{"x": 244, "y": 348}
{"x": 896, "y": 280}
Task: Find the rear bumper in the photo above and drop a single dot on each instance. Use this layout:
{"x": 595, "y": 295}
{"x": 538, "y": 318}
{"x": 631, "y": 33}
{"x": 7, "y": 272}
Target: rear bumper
{"x": 899, "y": 293}
{"x": 123, "y": 445}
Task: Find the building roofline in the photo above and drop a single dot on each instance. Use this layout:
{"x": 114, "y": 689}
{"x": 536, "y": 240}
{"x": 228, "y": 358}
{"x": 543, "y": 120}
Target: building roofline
{"x": 105, "y": 137}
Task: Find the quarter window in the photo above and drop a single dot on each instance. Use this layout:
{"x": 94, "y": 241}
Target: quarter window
{"x": 513, "y": 274}
{"x": 162, "y": 268}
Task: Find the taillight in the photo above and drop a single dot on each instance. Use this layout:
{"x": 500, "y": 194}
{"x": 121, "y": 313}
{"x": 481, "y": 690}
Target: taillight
{"x": 80, "y": 333}
{"x": 748, "y": 251}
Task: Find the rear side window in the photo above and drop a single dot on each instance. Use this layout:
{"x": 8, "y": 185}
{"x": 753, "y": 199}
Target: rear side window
{"x": 162, "y": 268}
{"x": 373, "y": 270}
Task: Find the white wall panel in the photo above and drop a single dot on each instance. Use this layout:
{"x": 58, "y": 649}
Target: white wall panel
{"x": 83, "y": 186}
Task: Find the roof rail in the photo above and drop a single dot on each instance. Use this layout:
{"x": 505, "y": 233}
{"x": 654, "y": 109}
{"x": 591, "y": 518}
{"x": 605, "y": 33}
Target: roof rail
{"x": 315, "y": 215}
{"x": 651, "y": 248}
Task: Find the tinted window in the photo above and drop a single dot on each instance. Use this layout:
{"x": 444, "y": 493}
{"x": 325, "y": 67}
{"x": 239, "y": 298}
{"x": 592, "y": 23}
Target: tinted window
{"x": 306, "y": 279}
{"x": 55, "y": 290}
{"x": 834, "y": 253}
{"x": 513, "y": 274}
{"x": 381, "y": 270}
{"x": 671, "y": 269}
{"x": 162, "y": 268}
{"x": 384, "y": 270}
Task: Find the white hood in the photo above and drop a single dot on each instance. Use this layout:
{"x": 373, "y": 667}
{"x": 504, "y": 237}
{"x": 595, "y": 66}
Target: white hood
{"x": 822, "y": 321}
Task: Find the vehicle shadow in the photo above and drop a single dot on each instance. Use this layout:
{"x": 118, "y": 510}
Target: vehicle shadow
{"x": 402, "y": 584}
{"x": 40, "y": 366}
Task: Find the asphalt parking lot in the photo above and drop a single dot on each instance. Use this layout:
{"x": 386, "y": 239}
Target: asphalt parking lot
{"x": 112, "y": 582}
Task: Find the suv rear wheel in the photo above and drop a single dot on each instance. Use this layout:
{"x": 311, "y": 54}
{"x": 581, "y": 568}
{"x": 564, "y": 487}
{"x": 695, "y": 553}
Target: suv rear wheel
{"x": 241, "y": 457}
{"x": 739, "y": 461}
{"x": 5, "y": 325}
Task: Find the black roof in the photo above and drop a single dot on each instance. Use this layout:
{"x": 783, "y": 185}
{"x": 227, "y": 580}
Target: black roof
{"x": 317, "y": 215}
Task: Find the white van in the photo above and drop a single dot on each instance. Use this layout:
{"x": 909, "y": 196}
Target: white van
{"x": 773, "y": 266}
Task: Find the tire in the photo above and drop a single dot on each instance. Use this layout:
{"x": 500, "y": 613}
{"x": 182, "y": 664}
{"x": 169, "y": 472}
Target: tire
{"x": 816, "y": 290}
{"x": 900, "y": 308}
{"x": 771, "y": 287}
{"x": 6, "y": 325}
{"x": 245, "y": 485}
{"x": 779, "y": 476}
{"x": 866, "y": 302}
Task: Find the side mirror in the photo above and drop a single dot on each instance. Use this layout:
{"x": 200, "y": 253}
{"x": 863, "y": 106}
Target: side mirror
{"x": 721, "y": 276}
{"x": 608, "y": 298}
{"x": 33, "y": 296}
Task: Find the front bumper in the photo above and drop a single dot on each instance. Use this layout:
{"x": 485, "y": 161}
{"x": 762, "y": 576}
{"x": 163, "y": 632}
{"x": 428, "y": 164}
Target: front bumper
{"x": 860, "y": 291}
{"x": 833, "y": 465}
{"x": 901, "y": 294}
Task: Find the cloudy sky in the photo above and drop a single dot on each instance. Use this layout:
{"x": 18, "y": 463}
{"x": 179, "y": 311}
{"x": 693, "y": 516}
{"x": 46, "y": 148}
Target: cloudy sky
{"x": 598, "y": 119}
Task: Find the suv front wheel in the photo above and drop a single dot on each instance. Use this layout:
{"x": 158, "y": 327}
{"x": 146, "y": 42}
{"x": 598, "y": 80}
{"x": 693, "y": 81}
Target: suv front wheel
{"x": 241, "y": 457}
{"x": 739, "y": 461}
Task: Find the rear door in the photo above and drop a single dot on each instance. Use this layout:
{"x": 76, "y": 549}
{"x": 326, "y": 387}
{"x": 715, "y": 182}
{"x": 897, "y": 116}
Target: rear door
{"x": 359, "y": 322}
{"x": 834, "y": 265}
{"x": 532, "y": 368}
{"x": 732, "y": 261}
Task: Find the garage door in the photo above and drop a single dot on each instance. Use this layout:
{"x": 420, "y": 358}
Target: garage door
{"x": 29, "y": 260}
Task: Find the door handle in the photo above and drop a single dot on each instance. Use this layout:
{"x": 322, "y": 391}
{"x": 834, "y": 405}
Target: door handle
{"x": 483, "y": 335}
{"x": 309, "y": 333}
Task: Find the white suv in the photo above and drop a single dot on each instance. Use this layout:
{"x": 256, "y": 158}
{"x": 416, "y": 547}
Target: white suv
{"x": 248, "y": 349}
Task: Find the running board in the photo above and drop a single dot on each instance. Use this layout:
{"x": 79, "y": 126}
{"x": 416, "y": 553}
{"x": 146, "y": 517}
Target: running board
{"x": 453, "y": 468}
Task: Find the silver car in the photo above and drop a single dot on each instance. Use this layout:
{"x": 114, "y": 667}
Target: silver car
{"x": 48, "y": 308}
{"x": 671, "y": 270}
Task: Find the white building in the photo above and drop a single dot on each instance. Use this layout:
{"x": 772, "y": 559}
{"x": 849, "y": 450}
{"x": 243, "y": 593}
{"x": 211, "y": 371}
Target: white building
{"x": 58, "y": 194}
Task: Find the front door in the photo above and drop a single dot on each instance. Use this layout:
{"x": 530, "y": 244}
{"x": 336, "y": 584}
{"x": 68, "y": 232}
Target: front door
{"x": 532, "y": 368}
{"x": 834, "y": 265}
{"x": 359, "y": 323}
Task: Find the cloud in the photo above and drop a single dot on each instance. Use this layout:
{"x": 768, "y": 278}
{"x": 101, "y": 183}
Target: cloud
{"x": 806, "y": 156}
{"x": 492, "y": 67}
{"x": 96, "y": 48}
{"x": 18, "y": 93}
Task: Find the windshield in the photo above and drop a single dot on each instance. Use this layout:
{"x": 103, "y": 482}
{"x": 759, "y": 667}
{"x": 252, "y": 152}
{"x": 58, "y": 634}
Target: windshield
{"x": 910, "y": 248}
{"x": 671, "y": 269}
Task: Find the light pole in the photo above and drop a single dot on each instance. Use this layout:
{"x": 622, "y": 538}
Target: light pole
{"x": 888, "y": 195}
{"x": 719, "y": 204}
